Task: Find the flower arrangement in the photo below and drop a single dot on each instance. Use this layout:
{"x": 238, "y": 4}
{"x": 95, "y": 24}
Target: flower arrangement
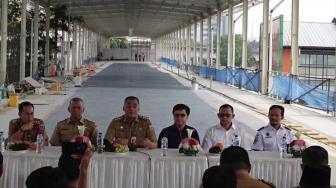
{"x": 296, "y": 147}
{"x": 189, "y": 146}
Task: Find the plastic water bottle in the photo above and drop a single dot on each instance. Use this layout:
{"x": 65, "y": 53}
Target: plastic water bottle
{"x": 236, "y": 140}
{"x": 283, "y": 148}
{"x": 100, "y": 144}
{"x": 164, "y": 146}
{"x": 39, "y": 143}
{"x": 2, "y": 142}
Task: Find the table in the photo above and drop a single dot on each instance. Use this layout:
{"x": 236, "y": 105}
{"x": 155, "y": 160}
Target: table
{"x": 129, "y": 170}
{"x": 284, "y": 173}
{"x": 175, "y": 170}
{"x": 149, "y": 169}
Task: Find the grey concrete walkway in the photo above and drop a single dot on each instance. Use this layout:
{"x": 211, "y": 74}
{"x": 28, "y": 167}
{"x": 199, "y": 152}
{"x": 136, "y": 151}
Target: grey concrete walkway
{"x": 158, "y": 92}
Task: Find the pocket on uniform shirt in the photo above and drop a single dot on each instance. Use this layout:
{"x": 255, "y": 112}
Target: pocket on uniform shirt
{"x": 121, "y": 134}
{"x": 66, "y": 135}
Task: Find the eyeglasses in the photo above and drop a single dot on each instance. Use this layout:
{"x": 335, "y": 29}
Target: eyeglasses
{"x": 224, "y": 115}
{"x": 180, "y": 115}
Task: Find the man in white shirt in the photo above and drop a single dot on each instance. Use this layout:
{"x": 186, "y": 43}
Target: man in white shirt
{"x": 225, "y": 132}
{"x": 273, "y": 136}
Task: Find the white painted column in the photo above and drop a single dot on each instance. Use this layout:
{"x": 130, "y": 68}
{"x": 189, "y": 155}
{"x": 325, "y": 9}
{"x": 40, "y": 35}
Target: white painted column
{"x": 36, "y": 25}
{"x": 295, "y": 36}
{"x": 264, "y": 73}
{"x": 200, "y": 63}
{"x": 219, "y": 21}
{"x": 230, "y": 55}
{"x": 195, "y": 44}
{"x": 23, "y": 40}
{"x": 47, "y": 53}
{"x": 209, "y": 43}
{"x": 245, "y": 22}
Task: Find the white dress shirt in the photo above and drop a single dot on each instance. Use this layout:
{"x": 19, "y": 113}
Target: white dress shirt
{"x": 270, "y": 139}
{"x": 218, "y": 134}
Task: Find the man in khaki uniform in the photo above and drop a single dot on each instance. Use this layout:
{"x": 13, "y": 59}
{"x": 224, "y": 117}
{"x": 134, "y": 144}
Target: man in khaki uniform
{"x": 67, "y": 128}
{"x": 26, "y": 127}
{"x": 131, "y": 124}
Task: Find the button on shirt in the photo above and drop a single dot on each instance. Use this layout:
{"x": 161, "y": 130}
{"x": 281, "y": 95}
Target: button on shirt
{"x": 141, "y": 127}
{"x": 270, "y": 139}
{"x": 218, "y": 134}
{"x": 175, "y": 136}
{"x": 67, "y": 129}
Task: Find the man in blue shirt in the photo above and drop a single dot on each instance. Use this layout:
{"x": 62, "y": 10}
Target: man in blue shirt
{"x": 178, "y": 131}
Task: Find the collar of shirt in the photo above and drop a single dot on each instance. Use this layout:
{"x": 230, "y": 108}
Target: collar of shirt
{"x": 70, "y": 121}
{"x": 174, "y": 128}
{"x": 233, "y": 127}
{"x": 125, "y": 120}
{"x": 270, "y": 127}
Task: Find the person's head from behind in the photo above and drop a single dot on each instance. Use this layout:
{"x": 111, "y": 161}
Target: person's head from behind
{"x": 26, "y": 112}
{"x": 316, "y": 171}
{"x": 131, "y": 107}
{"x": 236, "y": 157}
{"x": 76, "y": 108}
{"x": 70, "y": 166}
{"x": 47, "y": 177}
{"x": 219, "y": 176}
{"x": 181, "y": 113}
{"x": 314, "y": 156}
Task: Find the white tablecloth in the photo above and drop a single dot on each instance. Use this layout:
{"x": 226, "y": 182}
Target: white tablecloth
{"x": 129, "y": 170}
{"x": 175, "y": 170}
{"x": 284, "y": 173}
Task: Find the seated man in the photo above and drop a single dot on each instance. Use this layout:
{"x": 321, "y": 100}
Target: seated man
{"x": 237, "y": 158}
{"x": 26, "y": 127}
{"x": 316, "y": 171}
{"x": 178, "y": 131}
{"x": 130, "y": 125}
{"x": 274, "y": 135}
{"x": 67, "y": 128}
{"x": 225, "y": 132}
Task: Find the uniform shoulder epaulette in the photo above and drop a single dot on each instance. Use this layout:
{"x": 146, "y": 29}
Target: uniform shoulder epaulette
{"x": 144, "y": 117}
{"x": 118, "y": 118}
{"x": 63, "y": 121}
{"x": 89, "y": 121}
{"x": 261, "y": 128}
{"x": 287, "y": 128}
{"x": 13, "y": 121}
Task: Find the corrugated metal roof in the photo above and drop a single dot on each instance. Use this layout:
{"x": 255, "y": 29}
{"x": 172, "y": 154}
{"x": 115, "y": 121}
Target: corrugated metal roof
{"x": 312, "y": 34}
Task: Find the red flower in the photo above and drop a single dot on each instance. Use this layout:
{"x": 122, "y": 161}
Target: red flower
{"x": 193, "y": 142}
{"x": 80, "y": 139}
{"x": 300, "y": 143}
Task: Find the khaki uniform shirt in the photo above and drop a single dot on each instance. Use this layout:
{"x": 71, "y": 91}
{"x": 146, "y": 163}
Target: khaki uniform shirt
{"x": 67, "y": 129}
{"x": 15, "y": 133}
{"x": 248, "y": 182}
{"x": 140, "y": 128}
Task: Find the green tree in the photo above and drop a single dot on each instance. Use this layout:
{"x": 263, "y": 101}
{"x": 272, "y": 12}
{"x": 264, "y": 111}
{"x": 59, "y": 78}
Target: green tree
{"x": 238, "y": 51}
{"x": 118, "y": 42}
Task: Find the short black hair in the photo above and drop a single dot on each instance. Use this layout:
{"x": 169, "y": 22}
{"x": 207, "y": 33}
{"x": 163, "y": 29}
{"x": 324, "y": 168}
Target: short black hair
{"x": 282, "y": 109}
{"x": 130, "y": 98}
{"x": 317, "y": 176}
{"x": 24, "y": 104}
{"x": 219, "y": 176}
{"x": 236, "y": 157}
{"x": 47, "y": 177}
{"x": 227, "y": 106}
{"x": 315, "y": 156}
{"x": 181, "y": 107}
{"x": 69, "y": 166}
{"x": 76, "y": 99}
